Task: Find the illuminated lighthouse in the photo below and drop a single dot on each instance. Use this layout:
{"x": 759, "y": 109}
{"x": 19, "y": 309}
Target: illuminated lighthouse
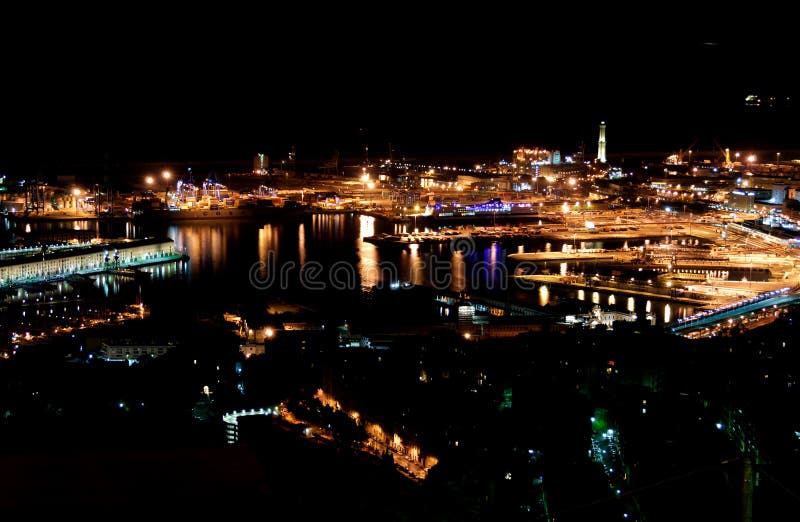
{"x": 601, "y": 143}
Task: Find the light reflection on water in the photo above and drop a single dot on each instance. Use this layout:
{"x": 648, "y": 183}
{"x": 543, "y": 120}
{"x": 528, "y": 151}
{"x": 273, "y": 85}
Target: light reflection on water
{"x": 221, "y": 255}
{"x": 458, "y": 272}
{"x": 368, "y": 258}
{"x": 665, "y": 311}
{"x": 544, "y": 295}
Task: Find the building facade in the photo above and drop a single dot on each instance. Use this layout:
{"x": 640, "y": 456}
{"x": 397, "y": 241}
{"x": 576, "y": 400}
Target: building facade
{"x": 83, "y": 259}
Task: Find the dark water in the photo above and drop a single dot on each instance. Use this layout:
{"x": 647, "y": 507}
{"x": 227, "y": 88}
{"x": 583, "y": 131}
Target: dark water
{"x": 321, "y": 261}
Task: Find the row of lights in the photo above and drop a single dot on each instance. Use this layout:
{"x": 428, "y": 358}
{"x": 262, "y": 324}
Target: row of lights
{"x": 167, "y": 175}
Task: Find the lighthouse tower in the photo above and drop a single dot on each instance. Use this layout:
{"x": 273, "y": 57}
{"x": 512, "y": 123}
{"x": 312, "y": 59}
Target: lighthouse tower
{"x": 601, "y": 143}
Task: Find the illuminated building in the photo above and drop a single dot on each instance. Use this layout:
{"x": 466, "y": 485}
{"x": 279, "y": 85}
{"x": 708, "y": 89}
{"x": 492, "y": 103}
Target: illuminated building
{"x": 525, "y": 158}
{"x": 260, "y": 164}
{"x": 38, "y": 264}
{"x": 132, "y": 352}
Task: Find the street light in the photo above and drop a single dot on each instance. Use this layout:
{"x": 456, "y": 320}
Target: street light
{"x": 751, "y": 159}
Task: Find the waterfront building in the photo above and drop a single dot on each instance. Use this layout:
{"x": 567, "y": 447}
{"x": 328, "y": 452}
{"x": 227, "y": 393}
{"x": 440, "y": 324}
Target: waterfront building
{"x": 58, "y": 261}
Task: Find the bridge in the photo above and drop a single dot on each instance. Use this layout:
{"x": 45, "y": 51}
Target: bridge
{"x": 698, "y": 321}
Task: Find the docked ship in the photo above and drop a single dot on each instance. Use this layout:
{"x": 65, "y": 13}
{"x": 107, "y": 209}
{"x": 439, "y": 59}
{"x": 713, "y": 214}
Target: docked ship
{"x": 215, "y": 202}
{"x": 493, "y": 210}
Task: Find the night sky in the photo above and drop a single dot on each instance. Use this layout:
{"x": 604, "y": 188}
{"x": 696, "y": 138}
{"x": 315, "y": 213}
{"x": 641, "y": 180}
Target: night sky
{"x": 188, "y": 86}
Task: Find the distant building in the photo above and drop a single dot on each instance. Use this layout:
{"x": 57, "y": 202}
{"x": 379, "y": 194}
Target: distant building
{"x": 740, "y": 200}
{"x": 779, "y": 191}
{"x": 526, "y": 159}
{"x": 132, "y": 352}
{"x": 260, "y": 164}
{"x": 605, "y": 317}
{"x": 350, "y": 340}
{"x": 250, "y": 349}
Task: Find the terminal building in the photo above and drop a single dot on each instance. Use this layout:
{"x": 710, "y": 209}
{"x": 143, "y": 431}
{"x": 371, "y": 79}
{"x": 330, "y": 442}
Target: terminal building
{"x": 47, "y": 263}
